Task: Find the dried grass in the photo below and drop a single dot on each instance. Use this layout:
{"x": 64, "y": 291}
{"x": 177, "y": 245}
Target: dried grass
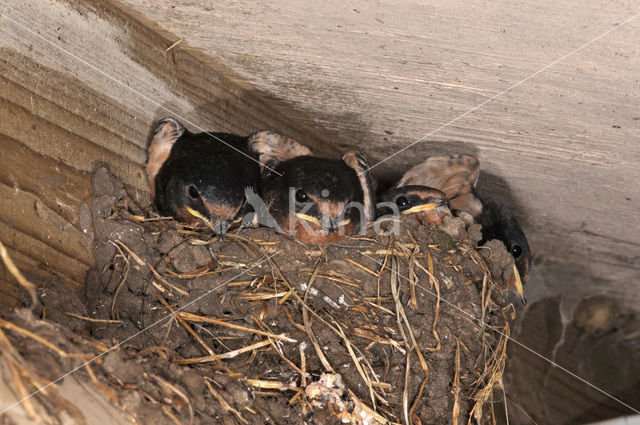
{"x": 400, "y": 268}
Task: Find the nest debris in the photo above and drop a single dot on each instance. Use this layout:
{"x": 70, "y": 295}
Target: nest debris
{"x": 180, "y": 327}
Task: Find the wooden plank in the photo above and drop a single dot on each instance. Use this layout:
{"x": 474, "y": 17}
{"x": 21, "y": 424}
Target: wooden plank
{"x": 81, "y": 110}
{"x": 27, "y": 214}
{"x": 60, "y": 187}
{"x": 112, "y": 50}
{"x": 94, "y": 98}
{"x": 11, "y": 293}
{"x": 50, "y": 132}
{"x": 44, "y": 259}
{"x": 223, "y": 100}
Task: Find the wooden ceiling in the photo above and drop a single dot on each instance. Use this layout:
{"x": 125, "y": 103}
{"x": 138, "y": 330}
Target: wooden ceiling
{"x": 546, "y": 93}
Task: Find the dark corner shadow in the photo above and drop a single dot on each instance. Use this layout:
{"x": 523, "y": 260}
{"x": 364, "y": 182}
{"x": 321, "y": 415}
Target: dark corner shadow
{"x": 221, "y": 100}
{"x": 250, "y": 110}
{"x": 497, "y": 188}
{"x": 245, "y": 110}
{"x": 559, "y": 321}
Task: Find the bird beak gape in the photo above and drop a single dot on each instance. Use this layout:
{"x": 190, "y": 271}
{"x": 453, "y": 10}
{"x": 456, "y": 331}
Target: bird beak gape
{"x": 328, "y": 224}
{"x": 308, "y": 218}
{"x": 420, "y": 208}
{"x": 425, "y": 207}
{"x": 220, "y": 227}
{"x": 515, "y": 284}
{"x": 200, "y": 217}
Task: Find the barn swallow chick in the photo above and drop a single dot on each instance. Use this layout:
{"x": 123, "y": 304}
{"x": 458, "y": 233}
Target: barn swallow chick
{"x": 201, "y": 178}
{"x": 499, "y": 223}
{"x": 425, "y": 204}
{"x": 318, "y": 200}
{"x": 456, "y": 176}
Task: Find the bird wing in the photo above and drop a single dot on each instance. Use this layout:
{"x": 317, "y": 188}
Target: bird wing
{"x": 272, "y": 146}
{"x": 455, "y": 175}
{"x": 165, "y": 135}
{"x": 360, "y": 165}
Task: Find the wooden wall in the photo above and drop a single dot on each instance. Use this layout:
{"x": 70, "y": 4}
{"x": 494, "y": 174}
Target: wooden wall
{"x": 563, "y": 147}
{"x": 62, "y": 110}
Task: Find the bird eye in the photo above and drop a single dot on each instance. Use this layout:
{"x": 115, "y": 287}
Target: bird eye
{"x": 402, "y": 201}
{"x": 192, "y": 192}
{"x": 301, "y": 196}
{"x": 516, "y": 251}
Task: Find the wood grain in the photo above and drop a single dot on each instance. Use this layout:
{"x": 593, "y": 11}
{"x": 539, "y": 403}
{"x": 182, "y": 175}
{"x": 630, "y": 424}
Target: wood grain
{"x": 83, "y": 83}
{"x": 560, "y": 147}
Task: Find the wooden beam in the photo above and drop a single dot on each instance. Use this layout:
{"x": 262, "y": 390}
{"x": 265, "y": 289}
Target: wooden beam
{"x": 83, "y": 83}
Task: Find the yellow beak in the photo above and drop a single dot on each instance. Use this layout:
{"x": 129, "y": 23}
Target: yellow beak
{"x": 309, "y": 218}
{"x": 201, "y": 217}
{"x": 419, "y": 208}
{"x": 317, "y": 222}
{"x": 197, "y": 214}
{"x": 519, "y": 287}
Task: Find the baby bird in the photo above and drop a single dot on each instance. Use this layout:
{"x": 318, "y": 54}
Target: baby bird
{"x": 457, "y": 176}
{"x": 203, "y": 178}
{"x": 319, "y": 200}
{"x": 425, "y": 204}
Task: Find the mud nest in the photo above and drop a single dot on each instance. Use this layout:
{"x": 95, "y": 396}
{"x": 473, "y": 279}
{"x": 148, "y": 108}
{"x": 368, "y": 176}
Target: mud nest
{"x": 180, "y": 327}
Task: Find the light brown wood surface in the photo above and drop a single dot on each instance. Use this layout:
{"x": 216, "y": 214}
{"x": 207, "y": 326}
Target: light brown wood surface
{"x": 561, "y": 146}
{"x": 90, "y": 93}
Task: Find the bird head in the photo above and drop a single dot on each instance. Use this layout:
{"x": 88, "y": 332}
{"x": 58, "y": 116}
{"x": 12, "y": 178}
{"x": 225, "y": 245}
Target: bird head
{"x": 203, "y": 181}
{"x": 498, "y": 222}
{"x": 320, "y": 197}
{"x": 519, "y": 249}
{"x": 424, "y": 203}
{"x": 209, "y": 204}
